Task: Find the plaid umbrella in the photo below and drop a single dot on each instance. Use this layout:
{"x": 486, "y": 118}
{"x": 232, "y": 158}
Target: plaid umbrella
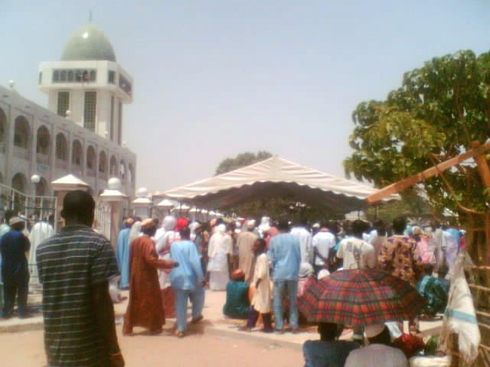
{"x": 360, "y": 297}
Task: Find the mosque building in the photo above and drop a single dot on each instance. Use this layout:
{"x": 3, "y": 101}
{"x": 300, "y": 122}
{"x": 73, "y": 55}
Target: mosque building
{"x": 81, "y": 130}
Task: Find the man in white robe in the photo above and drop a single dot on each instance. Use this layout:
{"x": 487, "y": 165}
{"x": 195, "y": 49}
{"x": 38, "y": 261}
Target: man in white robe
{"x": 40, "y": 232}
{"x": 220, "y": 250}
{"x": 305, "y": 241}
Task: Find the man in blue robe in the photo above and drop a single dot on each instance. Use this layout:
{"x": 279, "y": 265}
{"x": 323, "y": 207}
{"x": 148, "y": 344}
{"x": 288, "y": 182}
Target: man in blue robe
{"x": 123, "y": 253}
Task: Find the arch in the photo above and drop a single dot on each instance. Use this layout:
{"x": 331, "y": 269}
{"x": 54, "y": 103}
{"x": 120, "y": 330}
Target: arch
{"x": 43, "y": 140}
{"x": 130, "y": 172}
{"x": 103, "y": 163}
{"x": 42, "y": 187}
{"x": 3, "y": 129}
{"x": 113, "y": 167}
{"x": 61, "y": 147}
{"x": 77, "y": 153}
{"x": 19, "y": 182}
{"x": 91, "y": 159}
{"x": 22, "y": 133}
{"x": 123, "y": 170}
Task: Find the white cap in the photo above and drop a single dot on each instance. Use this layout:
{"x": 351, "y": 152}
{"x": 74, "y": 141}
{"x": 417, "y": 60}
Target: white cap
{"x": 374, "y": 330}
{"x": 323, "y": 274}
{"x": 251, "y": 223}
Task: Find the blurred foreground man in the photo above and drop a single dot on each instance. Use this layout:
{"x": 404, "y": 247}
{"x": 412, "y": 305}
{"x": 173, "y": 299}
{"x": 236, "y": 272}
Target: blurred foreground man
{"x": 75, "y": 267}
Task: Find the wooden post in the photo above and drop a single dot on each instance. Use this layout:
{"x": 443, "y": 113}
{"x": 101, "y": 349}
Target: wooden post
{"x": 454, "y": 346}
{"x": 396, "y": 187}
{"x": 484, "y": 172}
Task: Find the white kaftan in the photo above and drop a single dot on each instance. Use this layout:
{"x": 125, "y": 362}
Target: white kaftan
{"x": 220, "y": 246}
{"x": 261, "y": 300}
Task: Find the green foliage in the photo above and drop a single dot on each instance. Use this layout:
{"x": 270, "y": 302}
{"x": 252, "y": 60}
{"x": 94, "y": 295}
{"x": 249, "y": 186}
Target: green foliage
{"x": 437, "y": 112}
{"x": 412, "y": 205}
{"x": 241, "y": 160}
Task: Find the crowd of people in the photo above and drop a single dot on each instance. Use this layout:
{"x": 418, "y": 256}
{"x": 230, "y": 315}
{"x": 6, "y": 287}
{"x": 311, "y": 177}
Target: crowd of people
{"x": 264, "y": 270}
{"x": 19, "y": 239}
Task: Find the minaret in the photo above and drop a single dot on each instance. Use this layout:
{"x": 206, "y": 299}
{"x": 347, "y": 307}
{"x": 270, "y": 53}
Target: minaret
{"x": 88, "y": 86}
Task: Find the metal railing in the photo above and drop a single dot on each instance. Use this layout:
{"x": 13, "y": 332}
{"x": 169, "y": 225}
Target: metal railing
{"x": 28, "y": 205}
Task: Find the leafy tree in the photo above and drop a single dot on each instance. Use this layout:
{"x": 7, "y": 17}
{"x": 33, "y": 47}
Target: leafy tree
{"x": 436, "y": 114}
{"x": 241, "y": 160}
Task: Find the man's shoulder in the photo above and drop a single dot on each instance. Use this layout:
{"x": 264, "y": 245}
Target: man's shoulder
{"x": 183, "y": 243}
{"x": 324, "y": 235}
{"x": 366, "y": 245}
{"x": 287, "y": 237}
{"x": 82, "y": 236}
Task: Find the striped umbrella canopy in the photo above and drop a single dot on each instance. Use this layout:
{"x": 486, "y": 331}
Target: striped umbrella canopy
{"x": 359, "y": 298}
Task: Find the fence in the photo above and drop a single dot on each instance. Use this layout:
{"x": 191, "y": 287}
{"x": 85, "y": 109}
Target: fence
{"x": 28, "y": 205}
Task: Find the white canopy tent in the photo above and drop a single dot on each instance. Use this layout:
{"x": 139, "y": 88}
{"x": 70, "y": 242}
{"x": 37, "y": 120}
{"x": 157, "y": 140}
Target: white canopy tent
{"x": 273, "y": 177}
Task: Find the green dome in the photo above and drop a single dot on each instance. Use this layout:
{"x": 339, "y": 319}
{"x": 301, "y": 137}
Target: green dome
{"x": 88, "y": 43}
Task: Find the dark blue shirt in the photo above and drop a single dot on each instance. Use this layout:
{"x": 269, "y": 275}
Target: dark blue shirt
{"x": 13, "y": 247}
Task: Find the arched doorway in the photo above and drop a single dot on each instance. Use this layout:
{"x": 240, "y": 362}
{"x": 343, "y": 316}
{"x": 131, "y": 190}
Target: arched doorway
{"x": 22, "y": 136}
{"x": 103, "y": 164}
{"x": 61, "y": 150}
{"x": 130, "y": 173}
{"x": 113, "y": 168}
{"x": 122, "y": 170}
{"x": 91, "y": 160}
{"x": 42, "y": 187}
{"x": 43, "y": 140}
{"x": 19, "y": 182}
{"x": 3, "y": 130}
{"x": 77, "y": 154}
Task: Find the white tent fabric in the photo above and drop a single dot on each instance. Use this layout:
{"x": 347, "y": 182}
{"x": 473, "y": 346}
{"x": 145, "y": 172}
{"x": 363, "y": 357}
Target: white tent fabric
{"x": 273, "y": 177}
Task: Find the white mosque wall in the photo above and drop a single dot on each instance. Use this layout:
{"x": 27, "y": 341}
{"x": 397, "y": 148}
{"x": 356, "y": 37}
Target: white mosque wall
{"x": 29, "y": 145}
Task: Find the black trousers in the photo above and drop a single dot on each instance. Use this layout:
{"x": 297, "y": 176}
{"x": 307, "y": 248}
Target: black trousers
{"x": 13, "y": 288}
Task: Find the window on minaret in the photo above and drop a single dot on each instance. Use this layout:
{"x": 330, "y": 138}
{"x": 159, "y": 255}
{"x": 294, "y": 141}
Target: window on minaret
{"x": 111, "y": 122}
{"x": 111, "y": 77}
{"x": 119, "y": 125}
{"x": 89, "y": 112}
{"x": 63, "y": 103}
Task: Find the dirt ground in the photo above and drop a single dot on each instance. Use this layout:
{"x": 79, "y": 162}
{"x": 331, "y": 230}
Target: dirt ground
{"x": 25, "y": 349}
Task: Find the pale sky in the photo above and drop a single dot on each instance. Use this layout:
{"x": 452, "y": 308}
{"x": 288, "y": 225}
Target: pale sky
{"x": 216, "y": 78}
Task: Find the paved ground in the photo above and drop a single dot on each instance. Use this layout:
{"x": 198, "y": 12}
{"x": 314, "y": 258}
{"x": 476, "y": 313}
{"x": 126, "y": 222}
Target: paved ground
{"x": 25, "y": 349}
{"x": 214, "y": 342}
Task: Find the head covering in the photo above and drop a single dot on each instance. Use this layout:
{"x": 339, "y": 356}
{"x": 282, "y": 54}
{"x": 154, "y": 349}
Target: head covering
{"x": 15, "y": 220}
{"x": 265, "y": 220}
{"x": 147, "y": 224}
{"x": 193, "y": 226}
{"x": 181, "y": 223}
{"x": 251, "y": 224}
{"x": 323, "y": 274}
{"x": 169, "y": 223}
{"x": 221, "y": 228}
{"x": 134, "y": 231}
{"x": 374, "y": 330}
{"x": 238, "y": 274}
{"x": 416, "y": 230}
{"x": 305, "y": 270}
